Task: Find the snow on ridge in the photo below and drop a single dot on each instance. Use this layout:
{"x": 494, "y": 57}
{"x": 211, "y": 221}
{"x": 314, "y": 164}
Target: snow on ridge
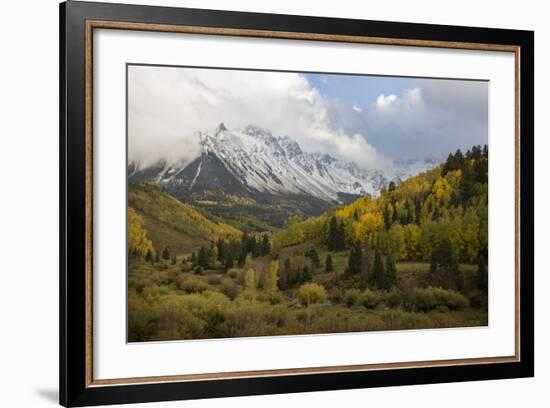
{"x": 277, "y": 165}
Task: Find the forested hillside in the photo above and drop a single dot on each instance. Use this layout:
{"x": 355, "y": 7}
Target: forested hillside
{"x": 440, "y": 216}
{"x": 413, "y": 257}
{"x": 169, "y": 222}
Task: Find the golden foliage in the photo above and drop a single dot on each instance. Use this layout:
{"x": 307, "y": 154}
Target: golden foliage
{"x": 138, "y": 243}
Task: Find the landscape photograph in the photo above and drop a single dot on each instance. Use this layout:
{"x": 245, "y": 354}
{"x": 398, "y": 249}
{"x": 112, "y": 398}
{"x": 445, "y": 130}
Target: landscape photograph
{"x": 267, "y": 203}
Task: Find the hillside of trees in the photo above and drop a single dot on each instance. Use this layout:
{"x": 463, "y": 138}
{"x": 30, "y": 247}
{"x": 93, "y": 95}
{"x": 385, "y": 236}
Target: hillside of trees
{"x": 413, "y": 257}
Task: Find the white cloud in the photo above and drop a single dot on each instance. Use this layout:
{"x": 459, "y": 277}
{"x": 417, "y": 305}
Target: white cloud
{"x": 357, "y": 109}
{"x": 432, "y": 119}
{"x": 384, "y": 102}
{"x": 166, "y": 106}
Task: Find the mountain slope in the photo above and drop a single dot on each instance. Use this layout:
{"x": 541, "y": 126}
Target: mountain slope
{"x": 172, "y": 223}
{"x": 254, "y": 162}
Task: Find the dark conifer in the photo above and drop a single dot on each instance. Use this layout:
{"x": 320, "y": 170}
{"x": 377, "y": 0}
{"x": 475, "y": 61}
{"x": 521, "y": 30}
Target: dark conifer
{"x": 328, "y": 264}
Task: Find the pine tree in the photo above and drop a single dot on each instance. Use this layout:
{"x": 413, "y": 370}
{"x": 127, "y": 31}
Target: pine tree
{"x": 174, "y": 259}
{"x": 328, "y": 264}
{"x": 391, "y": 273}
{"x": 222, "y": 250}
{"x": 149, "y": 256}
{"x": 265, "y": 247}
{"x": 314, "y": 257}
{"x": 165, "y": 253}
{"x": 433, "y": 268}
{"x": 228, "y": 262}
{"x": 332, "y": 234}
{"x": 448, "y": 273}
{"x": 481, "y": 275}
{"x": 203, "y": 257}
{"x": 341, "y": 237}
{"x": 355, "y": 260}
{"x": 306, "y": 274}
{"x": 193, "y": 259}
{"x": 378, "y": 271}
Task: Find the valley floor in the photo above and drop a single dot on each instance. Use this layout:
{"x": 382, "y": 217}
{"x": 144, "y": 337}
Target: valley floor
{"x": 168, "y": 302}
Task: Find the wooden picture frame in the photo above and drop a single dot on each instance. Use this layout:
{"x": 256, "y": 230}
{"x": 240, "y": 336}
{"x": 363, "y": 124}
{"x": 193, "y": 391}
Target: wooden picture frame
{"x": 78, "y": 20}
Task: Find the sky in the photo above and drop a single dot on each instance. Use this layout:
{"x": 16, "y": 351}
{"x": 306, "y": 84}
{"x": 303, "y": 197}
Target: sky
{"x": 370, "y": 120}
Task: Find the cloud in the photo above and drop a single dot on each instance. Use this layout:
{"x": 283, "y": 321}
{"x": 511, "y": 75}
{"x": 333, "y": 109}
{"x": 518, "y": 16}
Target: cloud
{"x": 357, "y": 109}
{"x": 167, "y": 106}
{"x": 432, "y": 119}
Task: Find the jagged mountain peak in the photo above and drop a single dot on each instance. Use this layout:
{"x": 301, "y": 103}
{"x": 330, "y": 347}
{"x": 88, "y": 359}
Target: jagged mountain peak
{"x": 254, "y": 161}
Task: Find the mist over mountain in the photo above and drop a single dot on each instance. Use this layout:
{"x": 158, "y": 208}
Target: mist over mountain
{"x": 255, "y": 163}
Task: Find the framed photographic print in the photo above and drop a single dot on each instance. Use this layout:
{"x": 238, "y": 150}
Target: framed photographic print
{"x": 256, "y": 203}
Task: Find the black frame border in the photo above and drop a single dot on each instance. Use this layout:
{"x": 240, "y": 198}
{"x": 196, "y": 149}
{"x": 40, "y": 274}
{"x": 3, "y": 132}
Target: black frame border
{"x": 72, "y": 125}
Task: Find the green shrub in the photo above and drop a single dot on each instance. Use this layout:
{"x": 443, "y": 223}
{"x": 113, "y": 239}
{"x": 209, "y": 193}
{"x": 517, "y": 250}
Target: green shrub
{"x": 310, "y": 293}
{"x": 230, "y": 288}
{"x": 370, "y": 299}
{"x": 421, "y": 300}
{"x": 191, "y": 284}
{"x": 352, "y": 296}
{"x": 450, "y": 298}
{"x": 214, "y": 280}
{"x": 478, "y": 298}
{"x": 393, "y": 298}
{"x": 233, "y": 273}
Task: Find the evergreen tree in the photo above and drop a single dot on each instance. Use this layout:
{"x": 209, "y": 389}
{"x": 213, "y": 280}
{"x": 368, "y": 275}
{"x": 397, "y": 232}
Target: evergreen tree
{"x": 306, "y": 274}
{"x": 265, "y": 247}
{"x": 332, "y": 234}
{"x": 312, "y": 254}
{"x": 378, "y": 270}
{"x": 391, "y": 186}
{"x": 433, "y": 268}
{"x": 355, "y": 260}
{"x": 391, "y": 273}
{"x": 165, "y": 253}
{"x": 242, "y": 257}
{"x": 481, "y": 275}
{"x": 287, "y": 265}
{"x": 328, "y": 264}
{"x": 202, "y": 258}
{"x": 149, "y": 256}
{"x": 222, "y": 249}
{"x": 447, "y": 272}
{"x": 174, "y": 259}
{"x": 228, "y": 262}
{"x": 341, "y": 237}
{"x": 193, "y": 259}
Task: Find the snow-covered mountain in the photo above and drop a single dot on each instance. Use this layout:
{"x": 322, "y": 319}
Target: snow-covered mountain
{"x": 254, "y": 161}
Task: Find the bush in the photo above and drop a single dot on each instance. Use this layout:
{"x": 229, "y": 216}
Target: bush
{"x": 477, "y": 298}
{"x": 335, "y": 295}
{"x": 450, "y": 298}
{"x": 352, "y": 296}
{"x": 370, "y": 299}
{"x": 393, "y": 298}
{"x": 230, "y": 288}
{"x": 310, "y": 293}
{"x": 233, "y": 273}
{"x": 191, "y": 284}
{"x": 273, "y": 297}
{"x": 421, "y": 300}
{"x": 214, "y": 280}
